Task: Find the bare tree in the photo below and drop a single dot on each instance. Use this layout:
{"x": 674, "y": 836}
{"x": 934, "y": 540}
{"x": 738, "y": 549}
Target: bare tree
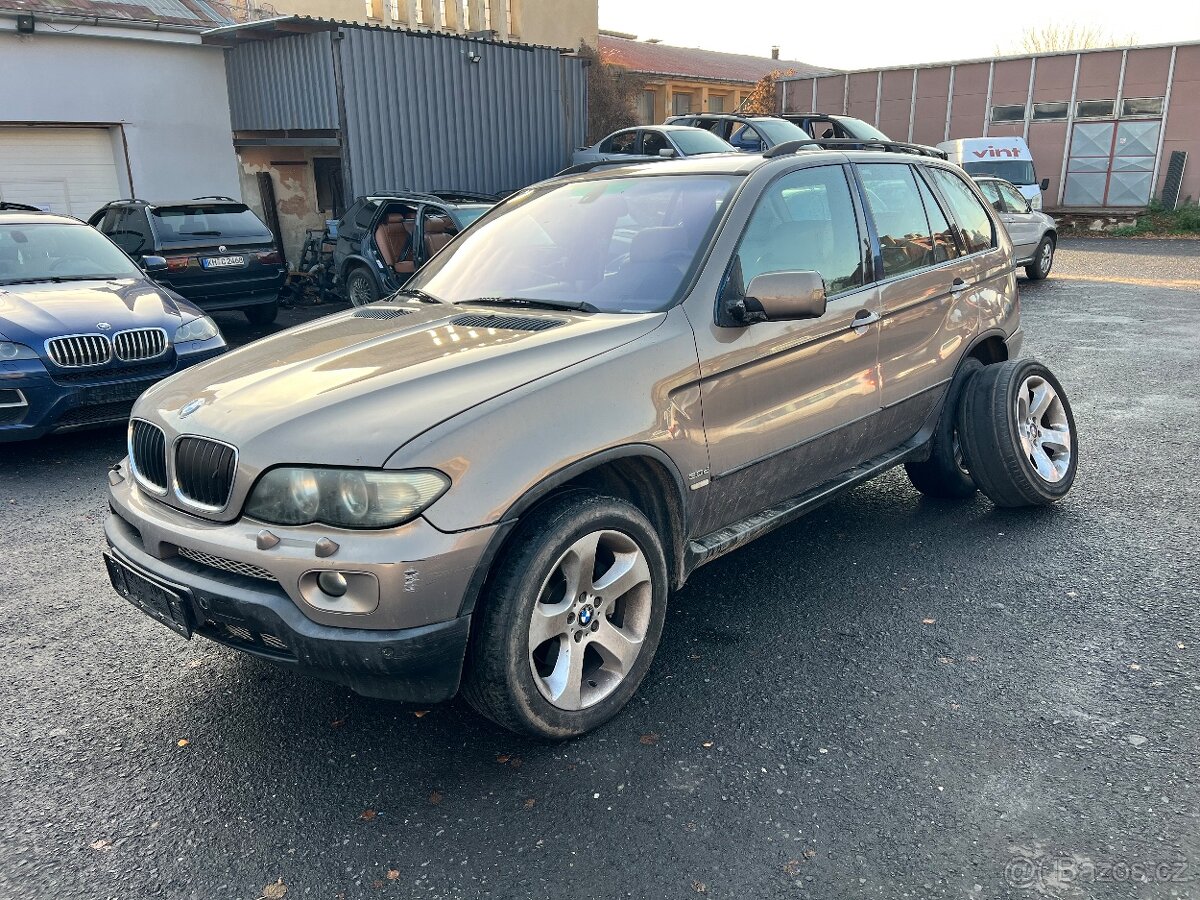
{"x": 762, "y": 101}
{"x": 612, "y": 95}
{"x": 1073, "y": 36}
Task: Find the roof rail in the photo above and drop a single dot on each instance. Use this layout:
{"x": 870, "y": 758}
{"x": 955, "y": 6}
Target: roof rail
{"x": 216, "y": 197}
{"x": 406, "y": 195}
{"x": 789, "y": 147}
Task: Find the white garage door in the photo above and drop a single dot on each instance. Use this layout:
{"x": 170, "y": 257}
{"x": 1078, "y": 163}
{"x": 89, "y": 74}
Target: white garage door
{"x": 66, "y": 170}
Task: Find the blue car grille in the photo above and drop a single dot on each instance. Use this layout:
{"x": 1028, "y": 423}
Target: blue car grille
{"x": 140, "y": 343}
{"x": 77, "y": 350}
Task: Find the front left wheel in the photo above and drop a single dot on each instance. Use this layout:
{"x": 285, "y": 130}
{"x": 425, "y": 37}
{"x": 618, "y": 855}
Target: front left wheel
{"x": 1043, "y": 260}
{"x": 572, "y": 618}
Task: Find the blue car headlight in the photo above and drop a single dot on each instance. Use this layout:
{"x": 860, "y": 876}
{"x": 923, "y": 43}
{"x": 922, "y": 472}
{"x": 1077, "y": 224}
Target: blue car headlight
{"x": 201, "y": 329}
{"x": 10, "y": 350}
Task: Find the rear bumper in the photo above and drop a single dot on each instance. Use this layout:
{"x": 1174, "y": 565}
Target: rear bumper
{"x": 415, "y": 665}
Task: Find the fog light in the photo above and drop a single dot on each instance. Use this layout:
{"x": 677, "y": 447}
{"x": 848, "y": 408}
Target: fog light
{"x": 332, "y": 583}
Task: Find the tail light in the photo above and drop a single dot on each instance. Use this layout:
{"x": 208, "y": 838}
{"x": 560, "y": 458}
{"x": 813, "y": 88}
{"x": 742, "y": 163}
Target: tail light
{"x": 176, "y": 263}
{"x": 270, "y": 258}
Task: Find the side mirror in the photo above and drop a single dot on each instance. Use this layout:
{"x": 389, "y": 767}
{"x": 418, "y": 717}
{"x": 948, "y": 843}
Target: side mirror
{"x": 152, "y": 265}
{"x": 784, "y": 296}
{"x": 1045, "y": 185}
{"x": 666, "y": 153}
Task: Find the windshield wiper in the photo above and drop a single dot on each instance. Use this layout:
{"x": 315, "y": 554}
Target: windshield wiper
{"x": 577, "y": 306}
{"x": 58, "y": 279}
{"x": 418, "y": 294}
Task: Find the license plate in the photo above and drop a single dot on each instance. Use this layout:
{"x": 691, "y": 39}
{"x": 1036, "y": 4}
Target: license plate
{"x": 154, "y": 599}
{"x": 222, "y": 262}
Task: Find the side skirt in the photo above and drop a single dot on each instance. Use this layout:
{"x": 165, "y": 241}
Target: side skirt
{"x": 711, "y": 546}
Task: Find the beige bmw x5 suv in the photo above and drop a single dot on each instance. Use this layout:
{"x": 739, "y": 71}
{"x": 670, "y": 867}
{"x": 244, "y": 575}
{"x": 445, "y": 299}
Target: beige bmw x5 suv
{"x": 492, "y": 480}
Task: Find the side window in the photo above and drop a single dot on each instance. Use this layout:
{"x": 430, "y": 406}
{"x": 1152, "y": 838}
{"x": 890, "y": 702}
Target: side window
{"x": 624, "y": 142}
{"x": 365, "y": 215}
{"x": 944, "y": 245}
{"x": 973, "y": 220}
{"x": 652, "y": 142}
{"x": 804, "y": 221}
{"x": 894, "y": 198}
{"x": 746, "y": 138}
{"x": 131, "y": 231}
{"x": 1013, "y": 199}
{"x": 992, "y": 191}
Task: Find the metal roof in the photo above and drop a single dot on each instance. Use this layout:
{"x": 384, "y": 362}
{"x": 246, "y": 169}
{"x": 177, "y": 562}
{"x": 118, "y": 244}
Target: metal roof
{"x": 196, "y": 13}
{"x": 651, "y": 58}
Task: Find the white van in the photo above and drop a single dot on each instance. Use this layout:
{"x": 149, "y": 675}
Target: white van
{"x": 1005, "y": 157}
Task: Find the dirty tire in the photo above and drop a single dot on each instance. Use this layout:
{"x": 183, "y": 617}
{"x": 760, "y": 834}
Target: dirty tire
{"x": 361, "y": 287}
{"x": 1043, "y": 260}
{"x": 999, "y": 447}
{"x": 944, "y": 475}
{"x": 264, "y": 314}
{"x": 501, "y": 678}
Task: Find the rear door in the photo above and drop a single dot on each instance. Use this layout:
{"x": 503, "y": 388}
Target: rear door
{"x": 926, "y": 280}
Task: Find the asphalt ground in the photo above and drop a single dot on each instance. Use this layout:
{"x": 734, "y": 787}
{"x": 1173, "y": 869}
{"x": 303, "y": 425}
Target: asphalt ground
{"x": 893, "y": 698}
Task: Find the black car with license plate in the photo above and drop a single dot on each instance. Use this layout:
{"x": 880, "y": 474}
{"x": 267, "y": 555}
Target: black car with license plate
{"x": 219, "y": 254}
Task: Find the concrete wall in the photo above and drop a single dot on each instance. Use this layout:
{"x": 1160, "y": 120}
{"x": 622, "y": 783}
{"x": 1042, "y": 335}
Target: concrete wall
{"x": 295, "y": 186}
{"x": 953, "y": 100}
{"x": 165, "y": 91}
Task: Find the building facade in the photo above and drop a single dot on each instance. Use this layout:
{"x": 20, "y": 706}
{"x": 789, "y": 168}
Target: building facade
{"x": 682, "y": 80}
{"x": 118, "y": 105}
{"x": 1101, "y": 124}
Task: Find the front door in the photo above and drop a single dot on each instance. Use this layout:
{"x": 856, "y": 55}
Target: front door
{"x": 787, "y": 405}
{"x": 1024, "y": 227}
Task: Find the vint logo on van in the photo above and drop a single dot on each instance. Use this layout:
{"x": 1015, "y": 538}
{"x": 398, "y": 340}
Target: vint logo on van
{"x": 998, "y": 152}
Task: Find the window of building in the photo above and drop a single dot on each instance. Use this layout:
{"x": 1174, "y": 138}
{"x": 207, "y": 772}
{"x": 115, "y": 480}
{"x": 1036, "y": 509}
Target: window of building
{"x": 681, "y": 104}
{"x": 1055, "y": 110}
{"x": 1142, "y": 106}
{"x": 716, "y": 103}
{"x": 1008, "y": 113}
{"x": 327, "y": 173}
{"x": 804, "y": 222}
{"x": 1095, "y": 109}
{"x": 974, "y": 223}
{"x": 905, "y": 241}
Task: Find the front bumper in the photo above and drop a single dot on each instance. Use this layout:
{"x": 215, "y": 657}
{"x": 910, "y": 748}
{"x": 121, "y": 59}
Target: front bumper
{"x": 83, "y": 399}
{"x": 415, "y": 665}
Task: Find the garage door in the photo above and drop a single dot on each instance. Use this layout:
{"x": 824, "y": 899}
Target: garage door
{"x": 67, "y": 170}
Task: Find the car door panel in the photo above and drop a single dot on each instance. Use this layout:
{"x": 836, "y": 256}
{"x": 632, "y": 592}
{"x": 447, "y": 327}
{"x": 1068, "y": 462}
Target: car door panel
{"x": 787, "y": 405}
{"x": 1024, "y": 227}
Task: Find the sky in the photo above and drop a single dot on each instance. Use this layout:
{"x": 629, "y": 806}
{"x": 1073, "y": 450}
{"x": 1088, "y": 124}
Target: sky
{"x": 867, "y": 33}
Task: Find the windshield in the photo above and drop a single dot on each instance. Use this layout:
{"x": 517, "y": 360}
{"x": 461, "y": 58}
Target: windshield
{"x": 779, "y": 130}
{"x": 697, "y": 140}
{"x": 1018, "y": 171}
{"x": 184, "y": 224}
{"x": 52, "y": 251}
{"x": 860, "y": 129}
{"x": 618, "y": 245}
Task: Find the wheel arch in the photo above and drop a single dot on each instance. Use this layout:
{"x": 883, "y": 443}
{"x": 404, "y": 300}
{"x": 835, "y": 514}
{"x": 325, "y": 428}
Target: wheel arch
{"x": 640, "y": 474}
{"x": 989, "y": 347}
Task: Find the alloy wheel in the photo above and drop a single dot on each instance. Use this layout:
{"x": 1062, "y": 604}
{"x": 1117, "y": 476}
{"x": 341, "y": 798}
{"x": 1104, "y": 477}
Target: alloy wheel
{"x": 590, "y": 620}
{"x": 359, "y": 289}
{"x": 1044, "y": 429}
{"x": 1045, "y": 258}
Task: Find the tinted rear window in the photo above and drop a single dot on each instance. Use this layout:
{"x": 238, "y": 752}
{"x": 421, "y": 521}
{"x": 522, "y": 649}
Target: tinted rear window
{"x": 192, "y": 223}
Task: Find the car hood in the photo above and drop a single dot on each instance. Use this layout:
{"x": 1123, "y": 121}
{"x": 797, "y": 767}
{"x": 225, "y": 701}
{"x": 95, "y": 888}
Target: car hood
{"x": 350, "y": 389}
{"x": 31, "y": 313}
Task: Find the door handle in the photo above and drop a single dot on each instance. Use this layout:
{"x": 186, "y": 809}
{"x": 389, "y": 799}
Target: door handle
{"x": 957, "y": 286}
{"x": 864, "y": 318}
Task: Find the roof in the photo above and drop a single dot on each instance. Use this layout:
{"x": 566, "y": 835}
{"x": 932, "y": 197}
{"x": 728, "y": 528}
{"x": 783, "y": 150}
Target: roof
{"x": 196, "y": 13}
{"x": 20, "y": 217}
{"x": 690, "y": 62}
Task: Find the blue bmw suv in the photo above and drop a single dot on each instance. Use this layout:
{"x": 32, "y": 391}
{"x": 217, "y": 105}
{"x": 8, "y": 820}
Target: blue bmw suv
{"x": 83, "y": 330}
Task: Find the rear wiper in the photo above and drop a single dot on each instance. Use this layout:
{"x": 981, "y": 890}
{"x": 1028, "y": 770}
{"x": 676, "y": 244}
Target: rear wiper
{"x": 580, "y": 306}
{"x": 417, "y": 294}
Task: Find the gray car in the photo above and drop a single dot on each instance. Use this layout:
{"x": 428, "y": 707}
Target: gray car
{"x": 1034, "y": 234}
{"x": 652, "y": 142}
{"x": 494, "y": 478}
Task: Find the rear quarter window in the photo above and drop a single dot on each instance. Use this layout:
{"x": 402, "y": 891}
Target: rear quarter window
{"x": 973, "y": 220}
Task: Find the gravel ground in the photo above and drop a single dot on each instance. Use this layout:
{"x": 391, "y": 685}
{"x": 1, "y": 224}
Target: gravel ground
{"x": 893, "y": 698}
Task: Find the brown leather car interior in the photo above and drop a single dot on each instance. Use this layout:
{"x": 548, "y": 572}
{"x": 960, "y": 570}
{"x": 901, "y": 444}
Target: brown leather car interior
{"x": 393, "y": 236}
{"x": 437, "y": 234}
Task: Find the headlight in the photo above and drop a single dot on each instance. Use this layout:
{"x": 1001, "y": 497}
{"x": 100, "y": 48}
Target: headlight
{"x": 201, "y": 329}
{"x": 1036, "y": 202}
{"x": 345, "y": 498}
{"x": 9, "y": 350}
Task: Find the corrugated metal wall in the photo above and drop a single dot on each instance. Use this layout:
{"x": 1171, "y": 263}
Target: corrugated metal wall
{"x": 421, "y": 115}
{"x": 282, "y": 83}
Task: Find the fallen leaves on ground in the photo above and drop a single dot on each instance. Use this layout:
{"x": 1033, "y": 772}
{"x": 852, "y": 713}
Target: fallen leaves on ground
{"x": 792, "y": 868}
{"x": 1135, "y": 667}
{"x": 435, "y": 797}
{"x": 367, "y": 815}
{"x": 421, "y": 713}
{"x": 337, "y": 723}
{"x": 809, "y": 852}
{"x": 707, "y": 744}
{"x": 928, "y": 621}
{"x": 274, "y": 891}
{"x": 699, "y": 887}
{"x": 393, "y": 874}
{"x": 502, "y": 758}
{"x": 530, "y": 803}
{"x": 104, "y": 844}
{"x": 182, "y": 742}
{"x": 946, "y": 660}
{"x": 377, "y": 884}
{"x": 649, "y": 739}
{"x": 195, "y": 663}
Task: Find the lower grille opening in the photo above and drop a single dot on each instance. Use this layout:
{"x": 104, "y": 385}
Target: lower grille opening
{"x": 241, "y": 636}
{"x": 246, "y": 570}
{"x": 116, "y": 411}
